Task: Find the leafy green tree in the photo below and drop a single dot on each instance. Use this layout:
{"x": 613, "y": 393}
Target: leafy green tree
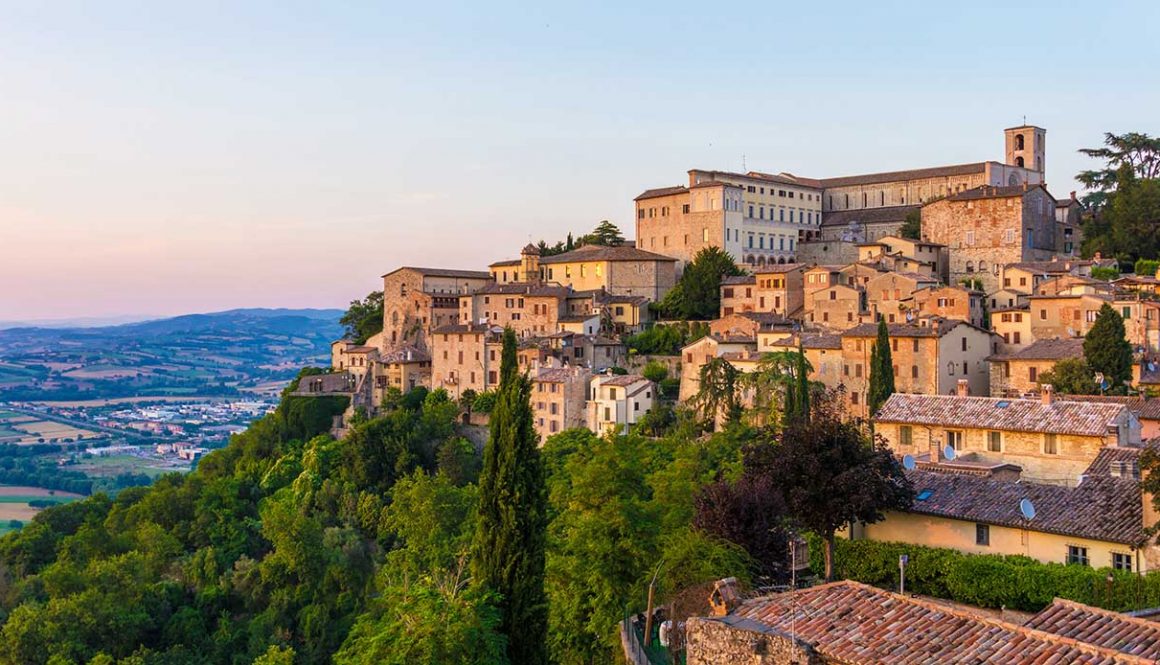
{"x": 433, "y": 519}
{"x": 508, "y": 553}
{"x": 697, "y": 294}
{"x": 1106, "y": 348}
{"x": 436, "y": 620}
{"x": 1139, "y": 153}
{"x": 603, "y": 539}
{"x": 830, "y": 473}
{"x": 1125, "y": 226}
{"x": 774, "y": 386}
{"x": 364, "y": 318}
{"x": 912, "y": 226}
{"x": 716, "y": 395}
{"x": 1106, "y": 274}
{"x": 1071, "y": 376}
{"x": 655, "y": 371}
{"x": 881, "y": 370}
{"x": 606, "y": 233}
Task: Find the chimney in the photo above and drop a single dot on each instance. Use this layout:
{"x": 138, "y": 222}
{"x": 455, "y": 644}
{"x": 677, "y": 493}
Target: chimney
{"x": 1047, "y": 394}
{"x": 964, "y": 388}
{"x": 1073, "y": 195}
{"x": 1025, "y": 185}
{"x": 724, "y": 598}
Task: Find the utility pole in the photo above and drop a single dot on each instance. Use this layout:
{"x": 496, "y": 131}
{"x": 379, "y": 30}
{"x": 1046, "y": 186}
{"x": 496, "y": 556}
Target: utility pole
{"x": 648, "y": 617}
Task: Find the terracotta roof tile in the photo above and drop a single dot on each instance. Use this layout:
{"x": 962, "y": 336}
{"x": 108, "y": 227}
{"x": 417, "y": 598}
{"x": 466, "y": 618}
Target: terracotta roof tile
{"x": 445, "y": 272}
{"x": 601, "y": 253}
{"x": 855, "y": 624}
{"x": 887, "y": 215}
{"x": 1102, "y": 507}
{"x": 911, "y": 174}
{"x": 1013, "y": 415}
{"x": 1112, "y": 630}
{"x": 661, "y": 191}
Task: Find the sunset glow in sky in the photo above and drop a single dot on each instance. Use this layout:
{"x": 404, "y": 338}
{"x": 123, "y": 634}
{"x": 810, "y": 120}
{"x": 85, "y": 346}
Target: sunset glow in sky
{"x": 161, "y": 159}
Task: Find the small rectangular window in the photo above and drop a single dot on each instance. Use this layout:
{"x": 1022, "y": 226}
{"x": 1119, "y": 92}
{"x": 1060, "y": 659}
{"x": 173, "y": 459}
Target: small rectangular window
{"x": 905, "y": 435}
{"x": 983, "y": 534}
{"x": 1077, "y": 555}
{"x": 1121, "y": 561}
{"x": 1050, "y": 444}
{"x": 995, "y": 442}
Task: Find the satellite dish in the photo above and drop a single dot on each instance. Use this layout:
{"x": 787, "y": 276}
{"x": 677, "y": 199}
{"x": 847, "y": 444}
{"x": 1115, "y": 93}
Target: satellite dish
{"x": 949, "y": 452}
{"x": 1027, "y": 509}
{"x": 908, "y": 462}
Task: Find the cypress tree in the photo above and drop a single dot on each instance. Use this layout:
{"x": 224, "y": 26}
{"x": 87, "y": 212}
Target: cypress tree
{"x": 803, "y": 385}
{"x": 1106, "y": 348}
{"x": 508, "y": 551}
{"x": 881, "y": 370}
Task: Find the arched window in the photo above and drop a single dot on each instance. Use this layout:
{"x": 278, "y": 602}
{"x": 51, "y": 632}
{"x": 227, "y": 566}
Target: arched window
{"x": 1038, "y": 164}
{"x": 781, "y": 260}
{"x": 751, "y": 260}
{"x": 1018, "y": 161}
{"x": 982, "y": 266}
{"x": 970, "y": 266}
{"x": 1019, "y": 143}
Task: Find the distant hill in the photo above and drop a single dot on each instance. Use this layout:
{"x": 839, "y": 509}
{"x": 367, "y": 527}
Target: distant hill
{"x": 220, "y": 353}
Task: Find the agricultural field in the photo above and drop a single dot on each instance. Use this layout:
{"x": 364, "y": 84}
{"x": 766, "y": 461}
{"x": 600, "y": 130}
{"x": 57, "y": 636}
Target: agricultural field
{"x": 15, "y": 503}
{"x": 23, "y": 429}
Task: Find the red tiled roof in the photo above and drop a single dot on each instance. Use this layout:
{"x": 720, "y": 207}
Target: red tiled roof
{"x": 1012, "y": 415}
{"x": 852, "y": 623}
{"x": 1056, "y": 348}
{"x": 621, "y": 379}
{"x": 1104, "y": 628}
{"x": 990, "y": 192}
{"x": 601, "y": 253}
{"x": 445, "y": 272}
{"x": 887, "y": 215}
{"x": 661, "y": 191}
{"x": 1101, "y": 508}
{"x": 912, "y": 174}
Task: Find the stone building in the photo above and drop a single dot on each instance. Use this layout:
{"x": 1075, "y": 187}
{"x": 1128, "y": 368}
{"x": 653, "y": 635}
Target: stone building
{"x": 528, "y": 308}
{"x": 697, "y": 354}
{"x": 838, "y": 307}
{"x": 459, "y": 359}
{"x": 780, "y": 289}
{"x": 737, "y": 294}
{"x": 989, "y": 227}
{"x": 620, "y": 271}
{"x": 950, "y": 302}
{"x": 559, "y": 399}
{"x": 1052, "y": 441}
{"x": 928, "y": 359}
{"x": 890, "y": 295}
{"x": 417, "y": 300}
{"x": 822, "y": 350}
{"x": 761, "y": 218}
{"x": 1013, "y": 326}
{"x": 1018, "y": 371}
{"x": 617, "y": 402}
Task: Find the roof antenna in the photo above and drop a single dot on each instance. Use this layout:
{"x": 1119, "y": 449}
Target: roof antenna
{"x": 744, "y": 168}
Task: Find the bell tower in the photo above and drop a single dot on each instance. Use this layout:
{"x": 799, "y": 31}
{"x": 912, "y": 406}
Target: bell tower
{"x": 530, "y": 264}
{"x": 1025, "y": 147}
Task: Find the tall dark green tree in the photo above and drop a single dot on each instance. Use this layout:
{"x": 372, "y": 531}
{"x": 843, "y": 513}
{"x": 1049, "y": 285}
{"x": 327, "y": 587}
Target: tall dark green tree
{"x": 698, "y": 293}
{"x": 508, "y": 551}
{"x": 1139, "y": 152}
{"x": 881, "y": 370}
{"x": 1106, "y": 348}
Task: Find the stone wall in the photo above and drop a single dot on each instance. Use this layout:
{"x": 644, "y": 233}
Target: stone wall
{"x": 712, "y": 642}
{"x": 827, "y": 252}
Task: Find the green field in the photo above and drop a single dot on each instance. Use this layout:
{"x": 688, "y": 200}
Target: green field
{"x": 26, "y": 499}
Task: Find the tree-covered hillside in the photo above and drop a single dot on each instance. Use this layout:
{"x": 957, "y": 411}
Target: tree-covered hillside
{"x": 291, "y": 547}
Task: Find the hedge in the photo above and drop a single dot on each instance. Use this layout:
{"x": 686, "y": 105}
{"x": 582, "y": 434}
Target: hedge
{"x": 987, "y": 580}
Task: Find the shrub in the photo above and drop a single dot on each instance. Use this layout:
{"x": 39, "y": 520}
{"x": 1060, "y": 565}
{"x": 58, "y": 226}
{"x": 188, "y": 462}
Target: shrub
{"x": 1105, "y": 274}
{"x": 1146, "y": 266}
{"x": 987, "y": 580}
{"x": 484, "y": 402}
{"x": 655, "y": 371}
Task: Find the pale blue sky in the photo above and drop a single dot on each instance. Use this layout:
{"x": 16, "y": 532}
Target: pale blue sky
{"x": 159, "y": 159}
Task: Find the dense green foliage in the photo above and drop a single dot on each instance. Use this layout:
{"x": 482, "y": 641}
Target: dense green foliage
{"x": 1146, "y": 267}
{"x": 666, "y": 339}
{"x": 508, "y": 552}
{"x": 1071, "y": 376}
{"x": 989, "y": 580}
{"x": 606, "y": 234}
{"x": 1126, "y": 226}
{"x": 1106, "y": 274}
{"x": 1138, "y": 153}
{"x": 1106, "y": 349}
{"x": 697, "y": 294}
{"x": 364, "y": 318}
{"x": 881, "y": 370}
{"x": 912, "y": 226}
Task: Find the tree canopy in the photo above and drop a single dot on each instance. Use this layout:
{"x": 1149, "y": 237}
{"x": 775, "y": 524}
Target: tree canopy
{"x": 1106, "y": 349}
{"x": 1138, "y": 152}
{"x": 364, "y": 318}
{"x": 1071, "y": 376}
{"x": 881, "y": 370}
{"x": 697, "y": 294}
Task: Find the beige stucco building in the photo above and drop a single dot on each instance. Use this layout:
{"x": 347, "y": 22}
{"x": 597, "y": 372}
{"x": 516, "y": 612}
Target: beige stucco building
{"x": 559, "y": 399}
{"x": 616, "y": 402}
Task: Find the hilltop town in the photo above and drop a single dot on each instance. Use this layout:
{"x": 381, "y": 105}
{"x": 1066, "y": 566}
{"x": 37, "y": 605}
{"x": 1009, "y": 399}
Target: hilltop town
{"x": 972, "y": 271}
